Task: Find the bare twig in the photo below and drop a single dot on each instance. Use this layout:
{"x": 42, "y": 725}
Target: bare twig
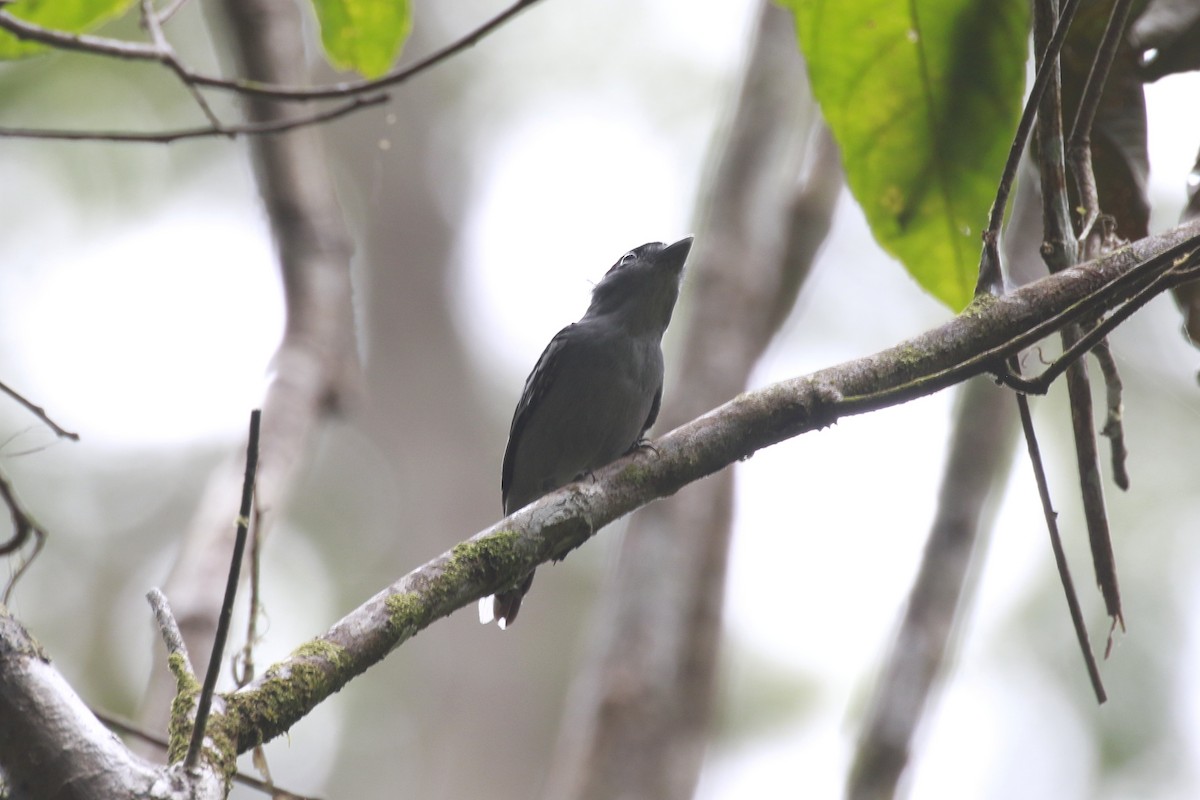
{"x": 359, "y": 87}
{"x": 991, "y": 278}
{"x": 1060, "y": 251}
{"x": 168, "y": 628}
{"x": 1060, "y": 556}
{"x": 1114, "y": 428}
{"x": 1180, "y": 269}
{"x": 117, "y": 48}
{"x": 235, "y": 571}
{"x": 38, "y": 412}
{"x": 129, "y": 728}
{"x": 79, "y": 42}
{"x": 153, "y": 26}
{"x": 1079, "y": 146}
{"x": 23, "y": 528}
{"x": 171, "y": 10}
{"x": 263, "y": 128}
{"x": 243, "y": 660}
{"x": 1180, "y": 263}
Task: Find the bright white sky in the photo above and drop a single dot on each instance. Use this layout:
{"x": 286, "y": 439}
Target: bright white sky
{"x": 103, "y": 338}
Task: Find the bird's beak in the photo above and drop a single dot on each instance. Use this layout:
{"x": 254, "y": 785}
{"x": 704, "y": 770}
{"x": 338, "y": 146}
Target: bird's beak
{"x": 673, "y": 255}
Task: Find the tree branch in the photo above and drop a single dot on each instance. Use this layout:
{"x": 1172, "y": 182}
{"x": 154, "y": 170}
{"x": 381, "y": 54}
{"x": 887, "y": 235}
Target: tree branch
{"x": 204, "y": 704}
{"x": 991, "y": 277}
{"x": 23, "y": 527}
{"x": 1060, "y": 250}
{"x": 261, "y": 88}
{"x": 51, "y": 745}
{"x": 1079, "y": 145}
{"x": 264, "y": 128}
{"x": 1060, "y": 556}
{"x": 38, "y": 412}
{"x": 563, "y": 520}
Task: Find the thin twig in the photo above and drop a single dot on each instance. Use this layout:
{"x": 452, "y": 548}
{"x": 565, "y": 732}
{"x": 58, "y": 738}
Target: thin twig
{"x": 1093, "y": 340}
{"x": 23, "y": 528}
{"x": 116, "y": 48}
{"x": 1060, "y": 251}
{"x": 153, "y": 26}
{"x": 168, "y": 628}
{"x": 1060, "y": 556}
{"x": 1172, "y": 260}
{"x": 216, "y": 658}
{"x": 1079, "y": 145}
{"x": 1085, "y": 308}
{"x": 243, "y": 661}
{"x": 38, "y": 412}
{"x": 1114, "y": 426}
{"x": 991, "y": 278}
{"x": 79, "y": 42}
{"x": 231, "y": 131}
{"x": 165, "y": 15}
{"x": 128, "y": 728}
{"x": 359, "y": 87}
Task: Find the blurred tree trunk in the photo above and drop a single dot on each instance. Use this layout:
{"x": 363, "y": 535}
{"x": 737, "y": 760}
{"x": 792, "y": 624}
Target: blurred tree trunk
{"x": 315, "y": 367}
{"x": 638, "y": 724}
{"x": 465, "y": 711}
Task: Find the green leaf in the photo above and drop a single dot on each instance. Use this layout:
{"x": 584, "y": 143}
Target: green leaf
{"x": 923, "y": 98}
{"x": 364, "y": 35}
{"x": 73, "y": 16}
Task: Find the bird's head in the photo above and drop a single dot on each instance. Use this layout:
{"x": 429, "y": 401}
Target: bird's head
{"x": 642, "y": 287}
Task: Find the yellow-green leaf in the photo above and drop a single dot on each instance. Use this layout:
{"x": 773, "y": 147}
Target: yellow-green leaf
{"x": 73, "y": 16}
{"x": 364, "y": 35}
{"x": 923, "y": 98}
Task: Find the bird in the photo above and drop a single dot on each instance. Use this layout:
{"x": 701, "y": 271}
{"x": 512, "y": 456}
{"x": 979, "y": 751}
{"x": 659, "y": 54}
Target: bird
{"x": 593, "y": 393}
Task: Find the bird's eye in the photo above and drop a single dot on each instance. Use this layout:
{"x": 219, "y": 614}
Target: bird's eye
{"x": 628, "y": 258}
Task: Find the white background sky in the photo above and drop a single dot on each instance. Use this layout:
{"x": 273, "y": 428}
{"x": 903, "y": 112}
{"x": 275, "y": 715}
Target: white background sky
{"x": 537, "y": 200}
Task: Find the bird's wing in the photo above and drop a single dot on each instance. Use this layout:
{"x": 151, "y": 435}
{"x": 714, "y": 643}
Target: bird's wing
{"x": 536, "y": 385}
{"x": 653, "y": 415}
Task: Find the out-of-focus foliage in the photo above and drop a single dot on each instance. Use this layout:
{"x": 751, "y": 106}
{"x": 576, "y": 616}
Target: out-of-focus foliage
{"x": 923, "y": 99}
{"x": 364, "y": 35}
{"x": 74, "y": 16}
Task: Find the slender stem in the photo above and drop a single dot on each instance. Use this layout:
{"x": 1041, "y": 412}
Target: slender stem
{"x": 1060, "y": 556}
{"x": 38, "y": 412}
{"x": 1093, "y": 338}
{"x": 117, "y": 48}
{"x": 991, "y": 277}
{"x": 167, "y": 137}
{"x": 168, "y": 627}
{"x": 235, "y": 570}
{"x": 1079, "y": 145}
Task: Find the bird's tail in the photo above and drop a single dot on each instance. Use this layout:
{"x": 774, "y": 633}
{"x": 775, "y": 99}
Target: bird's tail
{"x": 503, "y": 606}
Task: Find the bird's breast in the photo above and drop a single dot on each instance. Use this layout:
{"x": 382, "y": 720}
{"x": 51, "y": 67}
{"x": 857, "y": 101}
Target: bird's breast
{"x": 593, "y": 412}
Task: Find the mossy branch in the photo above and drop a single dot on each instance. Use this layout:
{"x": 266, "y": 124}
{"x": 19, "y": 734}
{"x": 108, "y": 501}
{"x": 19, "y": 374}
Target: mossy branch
{"x": 974, "y": 342}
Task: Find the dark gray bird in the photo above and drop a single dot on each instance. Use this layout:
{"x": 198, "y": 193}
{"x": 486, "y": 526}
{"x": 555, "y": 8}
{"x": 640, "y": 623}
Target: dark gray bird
{"x": 593, "y": 393}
